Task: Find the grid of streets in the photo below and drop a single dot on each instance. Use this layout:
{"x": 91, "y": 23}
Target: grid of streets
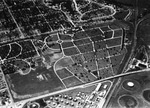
{"x": 38, "y": 55}
{"x": 89, "y": 55}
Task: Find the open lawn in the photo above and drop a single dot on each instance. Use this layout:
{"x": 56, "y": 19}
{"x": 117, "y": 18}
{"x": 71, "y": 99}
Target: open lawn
{"x": 36, "y": 82}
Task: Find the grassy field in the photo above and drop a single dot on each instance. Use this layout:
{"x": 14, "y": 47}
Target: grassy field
{"x": 37, "y": 82}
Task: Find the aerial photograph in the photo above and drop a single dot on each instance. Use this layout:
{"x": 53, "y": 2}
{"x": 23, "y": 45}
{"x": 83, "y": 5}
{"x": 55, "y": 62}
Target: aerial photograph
{"x": 74, "y": 53}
